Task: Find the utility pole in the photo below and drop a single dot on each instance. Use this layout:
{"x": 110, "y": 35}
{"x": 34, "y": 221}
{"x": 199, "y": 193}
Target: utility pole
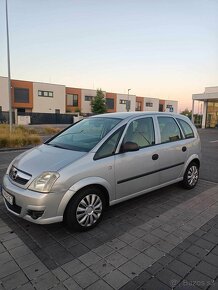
{"x": 9, "y": 69}
{"x": 128, "y": 102}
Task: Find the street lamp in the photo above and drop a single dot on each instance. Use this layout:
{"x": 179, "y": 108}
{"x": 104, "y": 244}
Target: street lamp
{"x": 128, "y": 102}
{"x": 9, "y": 70}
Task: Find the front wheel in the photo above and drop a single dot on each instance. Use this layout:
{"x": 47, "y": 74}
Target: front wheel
{"x": 191, "y": 176}
{"x": 85, "y": 210}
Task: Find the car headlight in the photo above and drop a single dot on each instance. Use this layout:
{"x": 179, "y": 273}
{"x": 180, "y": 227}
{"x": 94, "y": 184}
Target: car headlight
{"x": 44, "y": 182}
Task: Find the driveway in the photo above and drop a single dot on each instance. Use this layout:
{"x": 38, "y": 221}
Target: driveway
{"x": 166, "y": 239}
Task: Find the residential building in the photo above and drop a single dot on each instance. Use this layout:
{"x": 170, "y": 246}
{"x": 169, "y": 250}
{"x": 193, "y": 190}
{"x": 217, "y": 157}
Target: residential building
{"x": 38, "y": 97}
{"x": 210, "y": 106}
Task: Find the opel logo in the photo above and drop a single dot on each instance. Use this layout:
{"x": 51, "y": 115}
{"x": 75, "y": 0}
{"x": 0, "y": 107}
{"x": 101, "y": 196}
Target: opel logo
{"x": 14, "y": 174}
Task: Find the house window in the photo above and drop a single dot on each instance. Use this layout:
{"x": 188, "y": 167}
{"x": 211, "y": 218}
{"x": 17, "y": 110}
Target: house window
{"x": 138, "y": 106}
{"x": 21, "y": 95}
{"x": 88, "y": 98}
{"x": 149, "y": 104}
{"x": 123, "y": 102}
{"x": 72, "y": 100}
{"x": 110, "y": 103}
{"x": 45, "y": 94}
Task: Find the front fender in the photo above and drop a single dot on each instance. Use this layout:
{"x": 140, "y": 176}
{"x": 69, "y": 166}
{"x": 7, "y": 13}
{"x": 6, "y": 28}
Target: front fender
{"x": 81, "y": 184}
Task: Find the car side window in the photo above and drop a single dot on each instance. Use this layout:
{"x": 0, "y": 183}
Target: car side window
{"x": 186, "y": 128}
{"x": 169, "y": 130}
{"x": 141, "y": 132}
{"x": 110, "y": 145}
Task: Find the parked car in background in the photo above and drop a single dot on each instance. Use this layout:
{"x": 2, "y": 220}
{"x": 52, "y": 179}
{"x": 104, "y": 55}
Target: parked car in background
{"x": 101, "y": 161}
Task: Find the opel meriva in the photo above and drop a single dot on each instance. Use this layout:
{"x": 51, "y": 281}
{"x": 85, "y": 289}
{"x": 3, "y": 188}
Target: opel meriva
{"x": 101, "y": 161}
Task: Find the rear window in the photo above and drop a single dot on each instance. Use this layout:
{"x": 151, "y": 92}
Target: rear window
{"x": 169, "y": 130}
{"x": 186, "y": 128}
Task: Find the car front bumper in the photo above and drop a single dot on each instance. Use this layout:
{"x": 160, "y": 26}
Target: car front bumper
{"x": 36, "y": 207}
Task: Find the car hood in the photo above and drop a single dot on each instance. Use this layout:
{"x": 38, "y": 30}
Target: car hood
{"x": 45, "y": 158}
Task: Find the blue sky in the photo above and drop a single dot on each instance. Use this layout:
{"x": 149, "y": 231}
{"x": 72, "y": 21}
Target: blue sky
{"x": 159, "y": 48}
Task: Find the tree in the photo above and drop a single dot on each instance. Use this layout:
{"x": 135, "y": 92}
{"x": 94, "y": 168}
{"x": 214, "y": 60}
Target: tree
{"x": 187, "y": 113}
{"x": 98, "y": 103}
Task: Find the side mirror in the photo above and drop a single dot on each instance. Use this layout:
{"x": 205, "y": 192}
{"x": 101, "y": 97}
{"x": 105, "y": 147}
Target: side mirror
{"x": 129, "y": 146}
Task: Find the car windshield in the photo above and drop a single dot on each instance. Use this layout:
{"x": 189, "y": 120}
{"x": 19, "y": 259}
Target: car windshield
{"x": 84, "y": 135}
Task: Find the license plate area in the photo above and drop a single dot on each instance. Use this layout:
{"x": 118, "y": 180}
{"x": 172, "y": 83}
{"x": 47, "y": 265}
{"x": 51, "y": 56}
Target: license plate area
{"x": 8, "y": 197}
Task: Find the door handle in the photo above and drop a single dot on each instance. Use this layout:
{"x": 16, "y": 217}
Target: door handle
{"x": 155, "y": 156}
{"x": 184, "y": 148}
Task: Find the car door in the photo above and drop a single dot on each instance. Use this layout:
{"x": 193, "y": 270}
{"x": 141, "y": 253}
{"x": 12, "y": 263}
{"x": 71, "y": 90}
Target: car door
{"x": 138, "y": 170}
{"x": 172, "y": 149}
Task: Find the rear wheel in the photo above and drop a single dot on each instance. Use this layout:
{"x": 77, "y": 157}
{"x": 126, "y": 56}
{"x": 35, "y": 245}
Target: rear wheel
{"x": 191, "y": 176}
{"x": 85, "y": 210}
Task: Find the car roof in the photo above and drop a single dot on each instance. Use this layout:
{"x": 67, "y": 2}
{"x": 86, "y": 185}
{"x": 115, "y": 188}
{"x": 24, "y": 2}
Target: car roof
{"x": 126, "y": 115}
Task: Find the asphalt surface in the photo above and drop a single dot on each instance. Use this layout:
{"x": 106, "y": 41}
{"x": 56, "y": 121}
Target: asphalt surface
{"x": 166, "y": 239}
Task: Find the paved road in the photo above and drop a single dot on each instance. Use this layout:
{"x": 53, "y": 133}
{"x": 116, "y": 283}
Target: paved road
{"x": 163, "y": 240}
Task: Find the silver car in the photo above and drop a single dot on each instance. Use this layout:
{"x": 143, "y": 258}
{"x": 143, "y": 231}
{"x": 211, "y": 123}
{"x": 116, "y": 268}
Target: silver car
{"x": 101, "y": 161}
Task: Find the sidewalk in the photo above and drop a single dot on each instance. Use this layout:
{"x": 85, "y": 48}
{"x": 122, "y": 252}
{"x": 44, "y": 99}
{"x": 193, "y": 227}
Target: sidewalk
{"x": 173, "y": 249}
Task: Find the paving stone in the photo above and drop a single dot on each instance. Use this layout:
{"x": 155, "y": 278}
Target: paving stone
{"x": 129, "y": 286}
{"x": 155, "y": 268}
{"x": 179, "y": 268}
{"x": 89, "y": 258}
{"x": 20, "y": 251}
{"x": 151, "y": 239}
{"x": 211, "y": 259}
{"x": 78, "y": 250}
{"x": 129, "y": 252}
{"x": 14, "y": 280}
{"x": 7, "y": 236}
{"x": 73, "y": 267}
{"x": 196, "y": 251}
{"x": 154, "y": 253}
{"x": 204, "y": 244}
{"x": 4, "y": 229}
{"x": 137, "y": 232}
{"x": 60, "y": 274}
{"x": 103, "y": 251}
{"x": 2, "y": 248}
{"x": 168, "y": 277}
{"x": 176, "y": 252}
{"x": 164, "y": 246}
{"x": 211, "y": 238}
{"x": 60, "y": 286}
{"x": 71, "y": 284}
{"x": 159, "y": 233}
{"x": 165, "y": 260}
{"x": 215, "y": 251}
{"x": 59, "y": 254}
{"x": 13, "y": 243}
{"x": 4, "y": 258}
{"x": 99, "y": 285}
{"x": 92, "y": 243}
{"x": 127, "y": 238}
{"x": 143, "y": 260}
{"x": 45, "y": 281}
{"x": 155, "y": 284}
{"x": 140, "y": 245}
{"x": 35, "y": 270}
{"x": 184, "y": 245}
{"x": 27, "y": 260}
{"x": 130, "y": 269}
{"x": 116, "y": 244}
{"x": 69, "y": 242}
{"x": 201, "y": 280}
{"x": 9, "y": 267}
{"x": 142, "y": 278}
{"x": 85, "y": 278}
{"x": 27, "y": 286}
{"x": 116, "y": 259}
{"x": 188, "y": 259}
{"x": 207, "y": 269}
{"x": 116, "y": 279}
{"x": 102, "y": 268}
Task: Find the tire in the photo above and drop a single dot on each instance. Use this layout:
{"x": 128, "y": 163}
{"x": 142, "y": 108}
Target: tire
{"x": 85, "y": 210}
{"x": 191, "y": 176}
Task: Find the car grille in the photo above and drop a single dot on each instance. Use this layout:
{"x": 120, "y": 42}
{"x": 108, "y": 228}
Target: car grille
{"x": 19, "y": 176}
